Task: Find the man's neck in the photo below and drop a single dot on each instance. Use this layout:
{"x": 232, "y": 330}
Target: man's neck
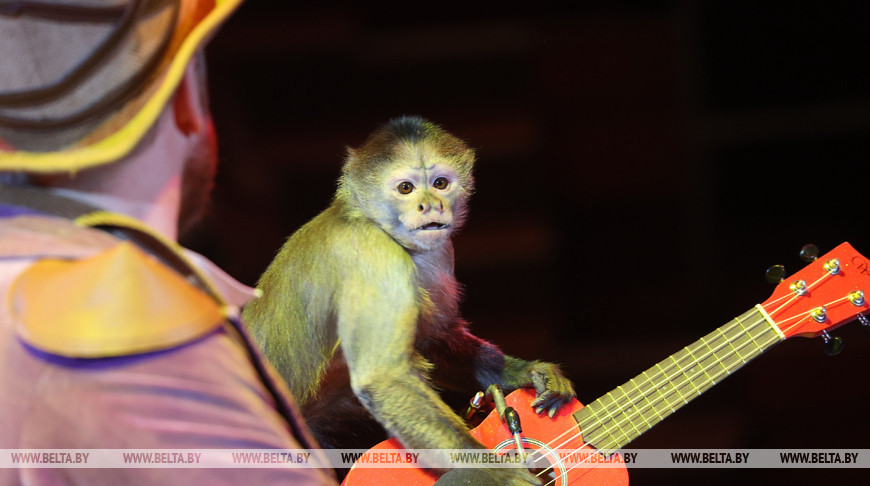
{"x": 160, "y": 215}
{"x": 145, "y": 185}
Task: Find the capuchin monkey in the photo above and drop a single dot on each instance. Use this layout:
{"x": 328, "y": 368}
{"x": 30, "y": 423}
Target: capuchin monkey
{"x": 359, "y": 311}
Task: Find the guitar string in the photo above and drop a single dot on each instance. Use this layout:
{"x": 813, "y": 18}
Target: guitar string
{"x": 680, "y": 369}
{"x": 689, "y": 380}
{"x": 719, "y": 374}
{"x": 784, "y": 296}
{"x": 841, "y": 300}
{"x": 731, "y": 325}
{"x": 663, "y": 397}
{"x": 795, "y": 296}
{"x": 632, "y": 402}
{"x": 792, "y": 294}
{"x": 724, "y": 372}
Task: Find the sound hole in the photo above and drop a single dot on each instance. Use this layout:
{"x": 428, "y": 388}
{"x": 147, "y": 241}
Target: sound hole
{"x": 543, "y": 461}
{"x": 542, "y": 468}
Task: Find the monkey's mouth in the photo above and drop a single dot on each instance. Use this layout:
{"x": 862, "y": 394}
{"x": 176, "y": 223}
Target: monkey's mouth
{"x": 433, "y": 226}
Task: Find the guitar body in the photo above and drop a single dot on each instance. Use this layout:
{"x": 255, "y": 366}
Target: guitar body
{"x": 539, "y": 432}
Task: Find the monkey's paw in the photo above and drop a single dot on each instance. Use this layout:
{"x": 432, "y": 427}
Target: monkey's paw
{"x": 553, "y": 389}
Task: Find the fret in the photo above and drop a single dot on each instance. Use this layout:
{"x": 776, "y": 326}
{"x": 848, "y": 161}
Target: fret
{"x": 648, "y": 405}
{"x": 728, "y": 350}
{"x": 743, "y": 346}
{"x": 748, "y": 335}
{"x": 660, "y": 394}
{"x": 611, "y": 423}
{"x": 712, "y": 351}
{"x": 631, "y": 417}
{"x": 734, "y": 350}
{"x": 665, "y": 385}
{"x": 680, "y": 381}
{"x": 612, "y": 408}
{"x": 701, "y": 379}
{"x": 596, "y": 430}
{"x": 768, "y": 333}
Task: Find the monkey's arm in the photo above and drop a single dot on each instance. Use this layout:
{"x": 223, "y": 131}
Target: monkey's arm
{"x": 376, "y": 327}
{"x": 376, "y": 319}
{"x": 459, "y": 351}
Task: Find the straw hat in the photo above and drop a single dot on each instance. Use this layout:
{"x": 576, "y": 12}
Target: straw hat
{"x": 82, "y": 81}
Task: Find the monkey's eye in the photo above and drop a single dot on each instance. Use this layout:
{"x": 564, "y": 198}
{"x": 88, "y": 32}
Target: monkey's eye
{"x": 441, "y": 183}
{"x": 405, "y": 187}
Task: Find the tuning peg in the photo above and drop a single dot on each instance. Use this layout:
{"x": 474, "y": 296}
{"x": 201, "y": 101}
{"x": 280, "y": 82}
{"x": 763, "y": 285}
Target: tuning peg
{"x": 809, "y": 252}
{"x": 865, "y": 324}
{"x": 833, "y": 345}
{"x": 775, "y": 274}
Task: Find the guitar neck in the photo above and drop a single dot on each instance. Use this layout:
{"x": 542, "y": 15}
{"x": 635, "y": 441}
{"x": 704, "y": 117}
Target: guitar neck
{"x": 617, "y": 418}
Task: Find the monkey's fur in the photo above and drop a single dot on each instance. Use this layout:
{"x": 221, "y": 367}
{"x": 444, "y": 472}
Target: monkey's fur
{"x": 366, "y": 291}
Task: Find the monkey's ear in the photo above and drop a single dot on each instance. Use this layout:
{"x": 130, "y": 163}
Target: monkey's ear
{"x": 470, "y": 156}
{"x": 464, "y": 164}
{"x": 351, "y": 159}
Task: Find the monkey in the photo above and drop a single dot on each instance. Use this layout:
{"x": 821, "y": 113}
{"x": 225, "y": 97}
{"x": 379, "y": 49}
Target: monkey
{"x": 359, "y": 310}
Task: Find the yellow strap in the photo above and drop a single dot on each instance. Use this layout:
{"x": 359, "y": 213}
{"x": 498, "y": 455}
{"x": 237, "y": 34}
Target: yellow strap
{"x": 116, "y": 303}
{"x": 106, "y": 218}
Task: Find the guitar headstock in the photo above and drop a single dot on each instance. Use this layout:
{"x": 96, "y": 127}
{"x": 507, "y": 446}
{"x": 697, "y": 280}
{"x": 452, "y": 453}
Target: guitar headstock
{"x": 827, "y": 293}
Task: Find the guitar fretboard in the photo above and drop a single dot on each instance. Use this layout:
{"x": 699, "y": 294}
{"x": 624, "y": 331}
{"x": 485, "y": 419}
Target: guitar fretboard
{"x": 617, "y": 418}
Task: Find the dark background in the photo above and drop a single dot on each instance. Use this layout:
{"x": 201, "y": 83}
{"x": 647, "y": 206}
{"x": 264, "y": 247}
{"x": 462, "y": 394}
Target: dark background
{"x": 640, "y": 166}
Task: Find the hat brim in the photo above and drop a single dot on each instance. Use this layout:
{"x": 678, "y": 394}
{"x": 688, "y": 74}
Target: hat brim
{"x": 119, "y": 133}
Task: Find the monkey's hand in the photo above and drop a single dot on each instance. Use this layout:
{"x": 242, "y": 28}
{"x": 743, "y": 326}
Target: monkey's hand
{"x": 553, "y": 389}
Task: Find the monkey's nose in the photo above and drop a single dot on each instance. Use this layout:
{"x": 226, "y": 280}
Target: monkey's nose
{"x": 430, "y": 202}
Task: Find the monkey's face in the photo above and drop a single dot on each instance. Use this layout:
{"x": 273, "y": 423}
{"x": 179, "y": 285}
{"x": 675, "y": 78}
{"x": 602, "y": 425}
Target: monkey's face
{"x": 427, "y": 201}
{"x": 412, "y": 179}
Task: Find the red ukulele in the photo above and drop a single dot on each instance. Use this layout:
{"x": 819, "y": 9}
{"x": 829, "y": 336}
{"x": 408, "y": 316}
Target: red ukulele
{"x": 822, "y": 296}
